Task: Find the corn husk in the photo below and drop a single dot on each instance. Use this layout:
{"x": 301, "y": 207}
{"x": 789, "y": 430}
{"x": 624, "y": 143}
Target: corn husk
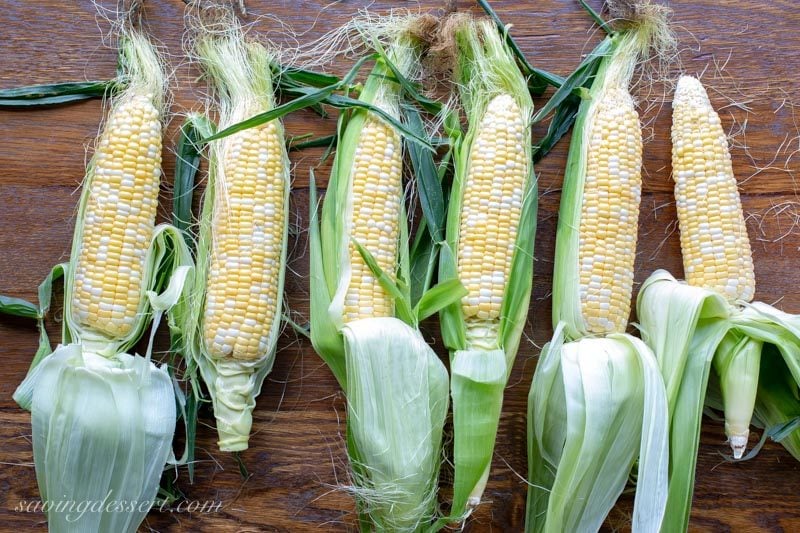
{"x": 102, "y": 433}
{"x": 684, "y": 353}
{"x": 596, "y": 406}
{"x": 691, "y": 327}
{"x": 394, "y": 453}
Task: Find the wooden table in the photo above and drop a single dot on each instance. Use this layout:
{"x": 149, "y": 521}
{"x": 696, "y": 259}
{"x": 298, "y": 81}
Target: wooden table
{"x": 750, "y": 54}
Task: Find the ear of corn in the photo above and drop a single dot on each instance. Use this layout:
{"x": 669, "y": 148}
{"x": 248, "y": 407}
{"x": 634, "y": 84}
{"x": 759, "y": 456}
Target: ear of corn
{"x": 396, "y": 386}
{"x": 599, "y": 214}
{"x": 114, "y": 234}
{"x": 368, "y": 206}
{"x": 103, "y": 420}
{"x": 714, "y": 242}
{"x": 610, "y": 213}
{"x": 490, "y": 234}
{"x": 376, "y": 207}
{"x": 118, "y": 219}
{"x": 593, "y": 379}
{"x": 692, "y": 327}
{"x": 232, "y": 329}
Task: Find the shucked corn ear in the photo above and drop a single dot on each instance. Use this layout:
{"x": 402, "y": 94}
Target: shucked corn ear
{"x": 490, "y": 234}
{"x": 597, "y": 401}
{"x": 113, "y": 238}
{"x": 103, "y": 420}
{"x": 692, "y": 325}
{"x": 247, "y": 249}
{"x": 493, "y": 193}
{"x": 599, "y": 214}
{"x": 396, "y": 387}
{"x": 714, "y": 242}
{"x": 232, "y": 329}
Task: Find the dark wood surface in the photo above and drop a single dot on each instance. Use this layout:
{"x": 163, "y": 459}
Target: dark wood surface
{"x": 749, "y": 53}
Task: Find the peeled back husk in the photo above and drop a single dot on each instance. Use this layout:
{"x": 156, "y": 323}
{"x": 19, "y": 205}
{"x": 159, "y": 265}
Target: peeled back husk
{"x": 102, "y": 432}
{"x": 595, "y": 407}
{"x": 683, "y": 325}
{"x": 397, "y": 399}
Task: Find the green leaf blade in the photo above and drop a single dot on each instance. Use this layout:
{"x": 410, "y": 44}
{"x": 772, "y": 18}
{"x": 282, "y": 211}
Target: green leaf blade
{"x": 12, "y": 306}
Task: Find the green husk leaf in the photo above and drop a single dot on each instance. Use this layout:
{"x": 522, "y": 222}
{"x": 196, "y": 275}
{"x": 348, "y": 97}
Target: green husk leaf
{"x": 115, "y": 422}
{"x": 538, "y": 79}
{"x": 187, "y": 163}
{"x": 595, "y": 16}
{"x": 562, "y": 121}
{"x": 325, "y": 140}
{"x": 309, "y": 97}
{"x": 10, "y": 305}
{"x": 300, "y": 76}
{"x": 581, "y": 77}
{"x": 45, "y": 296}
{"x": 401, "y": 302}
{"x": 439, "y": 297}
{"x": 736, "y": 363}
{"x": 778, "y": 331}
{"x": 777, "y": 403}
{"x": 683, "y": 325}
{"x": 776, "y": 433}
{"x": 187, "y": 407}
{"x": 431, "y": 197}
{"x": 477, "y": 384}
{"x": 424, "y": 253}
{"x": 407, "y": 87}
{"x": 58, "y": 93}
{"x": 345, "y": 102}
{"x": 423, "y": 257}
{"x": 325, "y": 337}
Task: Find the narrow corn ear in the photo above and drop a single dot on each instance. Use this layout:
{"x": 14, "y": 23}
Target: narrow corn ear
{"x": 610, "y": 213}
{"x": 119, "y": 218}
{"x": 490, "y": 215}
{"x": 248, "y": 227}
{"x": 714, "y": 242}
{"x": 376, "y": 189}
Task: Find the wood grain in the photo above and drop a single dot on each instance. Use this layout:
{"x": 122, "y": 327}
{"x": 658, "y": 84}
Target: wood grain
{"x": 297, "y": 460}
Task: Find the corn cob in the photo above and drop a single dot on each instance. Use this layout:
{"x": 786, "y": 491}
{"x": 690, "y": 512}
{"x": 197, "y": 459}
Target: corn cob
{"x": 396, "y": 386}
{"x": 491, "y": 210}
{"x": 103, "y": 420}
{"x": 376, "y": 198}
{"x": 248, "y": 228}
{"x": 714, "y": 242}
{"x": 610, "y": 213}
{"x": 119, "y": 219}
